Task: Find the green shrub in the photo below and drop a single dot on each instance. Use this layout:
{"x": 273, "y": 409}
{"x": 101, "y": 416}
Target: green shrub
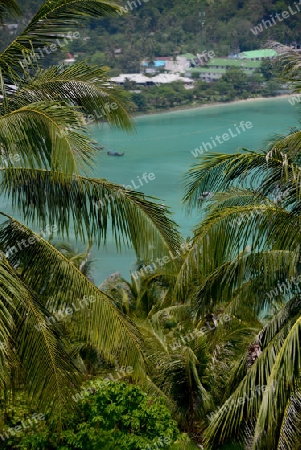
{"x": 118, "y": 415}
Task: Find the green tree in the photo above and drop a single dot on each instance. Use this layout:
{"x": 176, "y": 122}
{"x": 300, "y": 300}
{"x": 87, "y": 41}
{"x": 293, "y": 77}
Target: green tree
{"x": 236, "y": 78}
{"x": 118, "y": 414}
{"x": 256, "y": 270}
{"x": 43, "y": 122}
{"x": 267, "y": 69}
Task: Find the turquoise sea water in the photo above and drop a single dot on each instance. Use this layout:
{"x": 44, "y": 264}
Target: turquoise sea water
{"x": 162, "y": 145}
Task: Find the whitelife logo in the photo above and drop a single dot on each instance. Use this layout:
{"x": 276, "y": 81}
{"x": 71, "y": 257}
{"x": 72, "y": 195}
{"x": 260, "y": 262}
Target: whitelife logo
{"x": 244, "y": 126}
{"x": 18, "y": 428}
{"x": 62, "y": 315}
{"x": 150, "y": 268}
{"x": 131, "y": 5}
{"x": 110, "y": 198}
{"x": 33, "y": 56}
{"x": 295, "y": 100}
{"x": 270, "y": 23}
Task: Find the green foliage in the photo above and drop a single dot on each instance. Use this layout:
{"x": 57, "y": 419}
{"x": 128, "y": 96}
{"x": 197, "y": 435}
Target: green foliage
{"x": 44, "y": 121}
{"x": 235, "y": 84}
{"x": 233, "y": 446}
{"x": 184, "y": 443}
{"x": 118, "y": 415}
{"x": 161, "y": 28}
{"x": 256, "y": 204}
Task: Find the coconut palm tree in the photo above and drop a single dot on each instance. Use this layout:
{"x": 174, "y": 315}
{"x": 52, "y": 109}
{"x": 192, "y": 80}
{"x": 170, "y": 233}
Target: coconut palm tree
{"x": 245, "y": 255}
{"x": 178, "y": 356}
{"x": 43, "y": 118}
{"x": 190, "y": 360}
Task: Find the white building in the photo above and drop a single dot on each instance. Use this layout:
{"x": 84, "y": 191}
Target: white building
{"x": 163, "y": 78}
{"x": 179, "y": 65}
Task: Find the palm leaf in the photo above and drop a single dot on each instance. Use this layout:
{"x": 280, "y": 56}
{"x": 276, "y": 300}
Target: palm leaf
{"x": 9, "y": 7}
{"x": 87, "y": 87}
{"x": 284, "y": 376}
{"x": 247, "y": 225}
{"x": 51, "y": 21}
{"x": 49, "y": 375}
{"x": 219, "y": 172}
{"x": 87, "y": 205}
{"x": 47, "y": 135}
{"x": 259, "y": 170}
{"x": 290, "y": 436}
{"x": 246, "y": 401}
{"x": 101, "y": 323}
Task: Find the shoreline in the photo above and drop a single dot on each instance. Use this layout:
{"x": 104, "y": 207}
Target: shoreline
{"x": 211, "y": 105}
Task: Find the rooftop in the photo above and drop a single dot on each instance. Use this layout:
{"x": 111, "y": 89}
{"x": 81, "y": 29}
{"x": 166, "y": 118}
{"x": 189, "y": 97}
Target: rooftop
{"x": 263, "y": 53}
{"x": 169, "y": 78}
{"x": 160, "y": 79}
{"x": 136, "y": 77}
{"x": 206, "y": 70}
{"x": 163, "y": 58}
{"x": 234, "y": 63}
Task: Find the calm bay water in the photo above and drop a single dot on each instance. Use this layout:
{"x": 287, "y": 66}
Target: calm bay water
{"x": 162, "y": 145}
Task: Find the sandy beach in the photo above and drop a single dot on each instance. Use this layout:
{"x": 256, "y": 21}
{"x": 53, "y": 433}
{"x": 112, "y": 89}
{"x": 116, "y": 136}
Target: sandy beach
{"x": 211, "y": 105}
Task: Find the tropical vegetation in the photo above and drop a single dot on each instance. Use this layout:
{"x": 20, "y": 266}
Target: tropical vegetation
{"x": 233, "y": 85}
{"x": 46, "y": 158}
{"x": 116, "y": 415}
{"x": 167, "y": 28}
{"x": 205, "y": 349}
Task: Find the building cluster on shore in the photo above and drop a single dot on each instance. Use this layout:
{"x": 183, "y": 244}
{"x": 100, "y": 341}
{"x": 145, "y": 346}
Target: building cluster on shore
{"x": 188, "y": 67}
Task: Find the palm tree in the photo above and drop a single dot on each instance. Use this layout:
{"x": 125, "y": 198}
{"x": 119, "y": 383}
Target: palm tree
{"x": 43, "y": 117}
{"x": 189, "y": 360}
{"x": 246, "y": 255}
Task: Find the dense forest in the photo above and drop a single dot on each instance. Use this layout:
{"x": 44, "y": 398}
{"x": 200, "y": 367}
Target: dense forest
{"x": 202, "y": 347}
{"x": 171, "y": 27}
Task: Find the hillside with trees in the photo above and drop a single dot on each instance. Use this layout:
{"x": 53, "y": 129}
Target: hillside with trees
{"x": 171, "y": 27}
{"x": 181, "y": 357}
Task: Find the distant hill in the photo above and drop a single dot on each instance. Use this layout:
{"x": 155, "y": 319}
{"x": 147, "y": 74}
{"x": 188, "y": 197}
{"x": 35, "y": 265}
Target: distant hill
{"x": 170, "y": 27}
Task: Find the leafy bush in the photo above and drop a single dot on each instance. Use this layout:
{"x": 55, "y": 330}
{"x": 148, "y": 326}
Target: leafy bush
{"x": 118, "y": 415}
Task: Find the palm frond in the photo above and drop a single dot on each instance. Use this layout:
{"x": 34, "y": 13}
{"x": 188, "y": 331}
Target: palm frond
{"x": 87, "y": 87}
{"x": 249, "y": 226}
{"x": 53, "y": 19}
{"x": 290, "y": 310}
{"x": 48, "y": 135}
{"x": 255, "y": 278}
{"x": 284, "y": 375}
{"x": 48, "y": 372}
{"x": 245, "y": 403}
{"x": 9, "y": 7}
{"x": 101, "y": 323}
{"x": 290, "y": 62}
{"x": 88, "y": 205}
{"x": 290, "y": 436}
{"x": 219, "y": 172}
{"x": 263, "y": 171}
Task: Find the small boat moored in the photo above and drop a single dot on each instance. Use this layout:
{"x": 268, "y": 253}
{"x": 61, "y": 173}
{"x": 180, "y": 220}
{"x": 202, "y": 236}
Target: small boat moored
{"x": 111, "y": 153}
